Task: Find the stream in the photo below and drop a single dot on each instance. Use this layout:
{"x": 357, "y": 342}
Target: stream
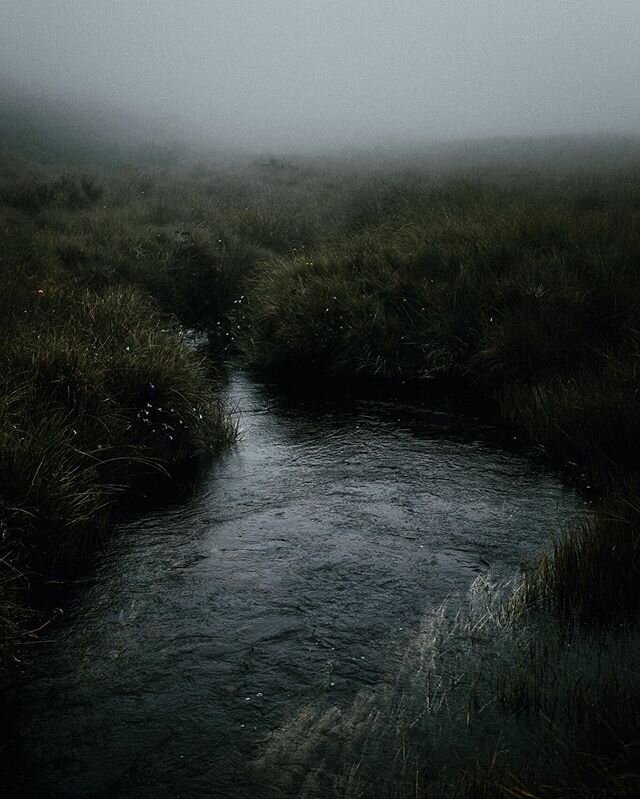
{"x": 292, "y": 576}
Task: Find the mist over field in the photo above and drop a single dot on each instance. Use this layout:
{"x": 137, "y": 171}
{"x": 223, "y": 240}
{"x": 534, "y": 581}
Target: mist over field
{"x": 294, "y": 75}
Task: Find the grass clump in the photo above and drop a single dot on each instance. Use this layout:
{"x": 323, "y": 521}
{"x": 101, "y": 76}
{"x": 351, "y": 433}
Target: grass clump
{"x": 488, "y": 292}
{"x": 591, "y": 575}
{"x": 356, "y": 313}
{"x": 99, "y": 398}
{"x": 485, "y": 703}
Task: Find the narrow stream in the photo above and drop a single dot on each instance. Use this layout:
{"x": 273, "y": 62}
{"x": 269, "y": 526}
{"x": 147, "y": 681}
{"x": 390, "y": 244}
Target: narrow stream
{"x": 293, "y": 575}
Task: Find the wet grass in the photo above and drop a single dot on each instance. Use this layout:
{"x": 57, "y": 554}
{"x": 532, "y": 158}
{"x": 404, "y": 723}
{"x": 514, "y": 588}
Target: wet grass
{"x": 99, "y": 399}
{"x": 188, "y": 238}
{"x": 488, "y": 291}
{"x": 485, "y": 704}
{"x": 590, "y": 576}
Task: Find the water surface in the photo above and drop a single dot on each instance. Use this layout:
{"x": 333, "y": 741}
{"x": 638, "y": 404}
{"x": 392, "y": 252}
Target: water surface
{"x": 293, "y": 575}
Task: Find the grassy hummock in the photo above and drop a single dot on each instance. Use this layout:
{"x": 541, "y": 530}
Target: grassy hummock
{"x": 99, "y": 398}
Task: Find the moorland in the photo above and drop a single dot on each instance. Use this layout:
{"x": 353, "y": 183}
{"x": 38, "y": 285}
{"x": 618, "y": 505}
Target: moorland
{"x": 507, "y": 270}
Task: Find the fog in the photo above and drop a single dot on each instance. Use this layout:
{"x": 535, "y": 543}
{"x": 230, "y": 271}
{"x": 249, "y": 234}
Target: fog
{"x": 308, "y": 74}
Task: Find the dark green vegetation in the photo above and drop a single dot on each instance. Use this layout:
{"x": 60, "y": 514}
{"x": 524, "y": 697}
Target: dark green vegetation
{"x": 526, "y": 291}
{"x": 102, "y": 401}
{"x": 498, "y": 273}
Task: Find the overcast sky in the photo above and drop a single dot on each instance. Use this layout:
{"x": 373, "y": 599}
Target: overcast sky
{"x": 324, "y": 72}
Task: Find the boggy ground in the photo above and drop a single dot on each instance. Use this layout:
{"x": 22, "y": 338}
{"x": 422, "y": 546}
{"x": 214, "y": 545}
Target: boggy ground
{"x": 507, "y": 275}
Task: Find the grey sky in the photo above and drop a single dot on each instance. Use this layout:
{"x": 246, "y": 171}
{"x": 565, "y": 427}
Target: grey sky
{"x": 323, "y": 72}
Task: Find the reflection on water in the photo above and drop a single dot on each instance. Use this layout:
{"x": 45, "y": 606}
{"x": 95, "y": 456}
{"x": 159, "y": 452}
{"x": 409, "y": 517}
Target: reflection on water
{"x": 294, "y": 575}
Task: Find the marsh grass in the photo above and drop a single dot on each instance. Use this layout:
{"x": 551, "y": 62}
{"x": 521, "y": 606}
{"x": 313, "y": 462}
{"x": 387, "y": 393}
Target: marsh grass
{"x": 518, "y": 282}
{"x": 590, "y": 418}
{"x": 485, "y": 703}
{"x": 68, "y": 191}
{"x": 490, "y": 292}
{"x": 591, "y": 574}
{"x": 99, "y": 398}
{"x": 343, "y": 314}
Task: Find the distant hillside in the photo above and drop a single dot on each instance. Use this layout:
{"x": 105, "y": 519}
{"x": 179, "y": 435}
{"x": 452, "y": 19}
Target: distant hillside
{"x": 61, "y": 131}
{"x": 509, "y": 155}
{"x": 559, "y": 152}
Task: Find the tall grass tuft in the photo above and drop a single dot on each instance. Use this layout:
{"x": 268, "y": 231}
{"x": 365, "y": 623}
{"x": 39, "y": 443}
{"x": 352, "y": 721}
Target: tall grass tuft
{"x": 99, "y": 397}
{"x": 591, "y": 575}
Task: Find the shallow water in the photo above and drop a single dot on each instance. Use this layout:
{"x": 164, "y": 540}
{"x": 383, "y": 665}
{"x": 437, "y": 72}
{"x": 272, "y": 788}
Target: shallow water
{"x": 293, "y": 575}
